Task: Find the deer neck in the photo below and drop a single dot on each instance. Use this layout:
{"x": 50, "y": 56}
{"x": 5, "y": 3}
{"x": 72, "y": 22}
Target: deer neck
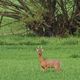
{"x": 41, "y": 59}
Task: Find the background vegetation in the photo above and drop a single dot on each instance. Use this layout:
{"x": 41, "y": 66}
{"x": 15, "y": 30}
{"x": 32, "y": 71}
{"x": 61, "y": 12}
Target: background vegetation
{"x": 44, "y": 18}
{"x": 27, "y": 24}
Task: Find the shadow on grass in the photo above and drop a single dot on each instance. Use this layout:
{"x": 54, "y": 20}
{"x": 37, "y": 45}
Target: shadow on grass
{"x": 74, "y": 56}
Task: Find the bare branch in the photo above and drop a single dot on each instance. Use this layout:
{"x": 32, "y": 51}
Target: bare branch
{"x": 9, "y": 23}
{"x": 10, "y": 14}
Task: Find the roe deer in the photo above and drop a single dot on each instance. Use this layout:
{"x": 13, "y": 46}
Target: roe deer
{"x": 45, "y": 63}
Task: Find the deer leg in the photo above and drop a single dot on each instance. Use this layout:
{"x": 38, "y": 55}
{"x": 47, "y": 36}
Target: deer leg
{"x": 44, "y": 68}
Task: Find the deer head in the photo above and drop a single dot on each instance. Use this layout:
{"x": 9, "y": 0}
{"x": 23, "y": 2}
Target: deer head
{"x": 39, "y": 50}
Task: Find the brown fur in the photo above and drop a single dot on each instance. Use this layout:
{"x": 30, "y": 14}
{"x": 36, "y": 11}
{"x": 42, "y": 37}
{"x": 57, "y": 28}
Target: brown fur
{"x": 45, "y": 63}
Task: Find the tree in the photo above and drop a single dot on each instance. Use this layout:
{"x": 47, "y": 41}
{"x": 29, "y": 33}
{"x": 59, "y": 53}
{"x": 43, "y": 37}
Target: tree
{"x": 45, "y": 17}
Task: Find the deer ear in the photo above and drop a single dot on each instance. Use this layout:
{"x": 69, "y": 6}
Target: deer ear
{"x": 36, "y": 49}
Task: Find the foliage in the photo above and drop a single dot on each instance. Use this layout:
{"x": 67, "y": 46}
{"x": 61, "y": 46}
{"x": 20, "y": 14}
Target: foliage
{"x": 45, "y": 18}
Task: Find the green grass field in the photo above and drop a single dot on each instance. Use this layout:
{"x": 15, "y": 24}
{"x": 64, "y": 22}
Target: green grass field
{"x": 19, "y": 60}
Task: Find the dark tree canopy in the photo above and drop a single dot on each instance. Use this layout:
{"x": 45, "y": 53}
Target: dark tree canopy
{"x": 44, "y": 17}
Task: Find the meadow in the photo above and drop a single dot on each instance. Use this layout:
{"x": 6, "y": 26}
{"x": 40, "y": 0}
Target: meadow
{"x": 19, "y": 59}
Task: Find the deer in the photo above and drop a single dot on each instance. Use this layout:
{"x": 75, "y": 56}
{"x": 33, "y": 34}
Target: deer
{"x": 47, "y": 63}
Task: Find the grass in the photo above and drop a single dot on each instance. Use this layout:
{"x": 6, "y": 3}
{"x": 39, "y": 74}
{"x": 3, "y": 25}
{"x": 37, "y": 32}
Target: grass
{"x": 20, "y": 61}
{"x": 8, "y": 27}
